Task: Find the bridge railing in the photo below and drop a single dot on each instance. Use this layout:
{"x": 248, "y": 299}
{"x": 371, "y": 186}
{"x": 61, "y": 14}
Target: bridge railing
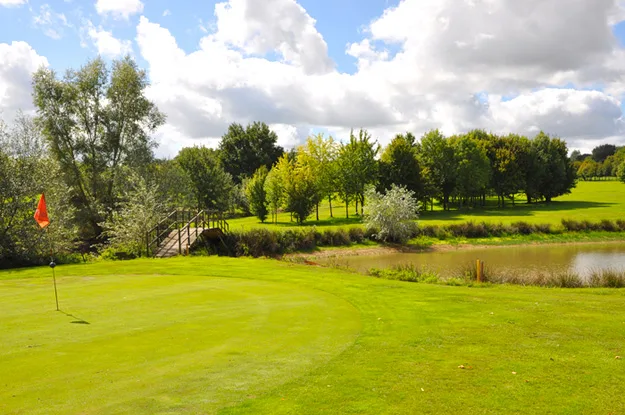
{"x": 186, "y": 222}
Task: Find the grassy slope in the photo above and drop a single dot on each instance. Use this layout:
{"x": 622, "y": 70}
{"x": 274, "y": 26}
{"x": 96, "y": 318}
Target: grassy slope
{"x": 260, "y": 336}
{"x": 590, "y": 200}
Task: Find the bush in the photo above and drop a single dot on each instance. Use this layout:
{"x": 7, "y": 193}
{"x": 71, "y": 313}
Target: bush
{"x": 392, "y": 214}
{"x": 356, "y": 235}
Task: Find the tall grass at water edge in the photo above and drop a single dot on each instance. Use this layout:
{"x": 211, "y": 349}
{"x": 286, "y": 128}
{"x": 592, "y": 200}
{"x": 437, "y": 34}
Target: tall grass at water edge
{"x": 608, "y": 278}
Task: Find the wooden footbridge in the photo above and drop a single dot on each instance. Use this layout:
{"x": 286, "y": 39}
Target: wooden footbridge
{"x": 175, "y": 234}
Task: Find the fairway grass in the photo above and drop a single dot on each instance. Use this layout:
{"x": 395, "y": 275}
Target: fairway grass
{"x": 592, "y": 201}
{"x": 244, "y": 336}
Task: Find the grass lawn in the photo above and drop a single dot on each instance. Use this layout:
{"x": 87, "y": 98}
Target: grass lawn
{"x": 589, "y": 201}
{"x": 233, "y": 336}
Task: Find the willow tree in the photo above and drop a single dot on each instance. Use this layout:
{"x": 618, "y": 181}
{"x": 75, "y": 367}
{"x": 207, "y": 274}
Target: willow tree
{"x": 96, "y": 121}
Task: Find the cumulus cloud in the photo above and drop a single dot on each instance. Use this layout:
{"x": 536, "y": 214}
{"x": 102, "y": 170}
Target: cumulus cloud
{"x": 274, "y": 25}
{"x": 18, "y": 61}
{"x": 107, "y": 44}
{"x": 119, "y": 9}
{"x": 452, "y": 73}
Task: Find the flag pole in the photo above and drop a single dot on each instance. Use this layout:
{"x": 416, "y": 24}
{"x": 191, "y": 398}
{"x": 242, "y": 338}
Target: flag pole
{"x": 53, "y": 265}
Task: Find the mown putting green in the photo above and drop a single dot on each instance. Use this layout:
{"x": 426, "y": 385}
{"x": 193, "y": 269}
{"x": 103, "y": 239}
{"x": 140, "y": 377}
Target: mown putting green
{"x": 214, "y": 335}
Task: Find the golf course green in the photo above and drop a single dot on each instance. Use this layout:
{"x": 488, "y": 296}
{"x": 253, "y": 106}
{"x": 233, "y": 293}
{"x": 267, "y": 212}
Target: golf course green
{"x": 232, "y": 336}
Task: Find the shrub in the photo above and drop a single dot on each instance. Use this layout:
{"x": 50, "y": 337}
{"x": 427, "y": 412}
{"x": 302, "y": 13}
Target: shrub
{"x": 392, "y": 214}
{"x": 523, "y": 228}
{"x": 356, "y": 235}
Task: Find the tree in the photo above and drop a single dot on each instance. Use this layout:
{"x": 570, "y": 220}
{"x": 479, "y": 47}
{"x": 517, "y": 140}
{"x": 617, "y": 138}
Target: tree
{"x": 620, "y": 172}
{"x": 257, "y": 195}
{"x": 472, "y": 168}
{"x": 275, "y": 185}
{"x": 506, "y": 159}
{"x": 175, "y": 188}
{"x": 357, "y": 168}
{"x": 95, "y": 121}
{"x": 437, "y": 156}
{"x": 301, "y": 193}
{"x": 243, "y": 150}
{"x": 576, "y": 155}
{"x": 557, "y": 176}
{"x": 602, "y": 152}
{"x": 139, "y": 212}
{"x": 588, "y": 169}
{"x": 346, "y": 175}
{"x": 25, "y": 173}
{"x": 211, "y": 184}
{"x": 399, "y": 165}
{"x": 392, "y": 215}
{"x": 320, "y": 156}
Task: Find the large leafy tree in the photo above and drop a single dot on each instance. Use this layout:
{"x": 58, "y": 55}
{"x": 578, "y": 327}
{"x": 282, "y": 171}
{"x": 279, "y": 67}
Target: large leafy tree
{"x": 211, "y": 184}
{"x": 602, "y": 152}
{"x": 399, "y": 165}
{"x": 555, "y": 176}
{"x": 319, "y": 155}
{"x": 96, "y": 121}
{"x": 472, "y": 168}
{"x": 301, "y": 192}
{"x": 506, "y": 155}
{"x": 243, "y": 150}
{"x": 437, "y": 156}
{"x": 361, "y": 167}
{"x": 257, "y": 194}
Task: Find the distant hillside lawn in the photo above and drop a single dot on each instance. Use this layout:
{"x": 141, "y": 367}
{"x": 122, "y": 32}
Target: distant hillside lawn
{"x": 591, "y": 201}
{"x": 243, "y": 336}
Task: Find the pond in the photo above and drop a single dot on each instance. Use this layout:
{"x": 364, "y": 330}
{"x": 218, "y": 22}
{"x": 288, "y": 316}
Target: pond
{"x": 580, "y": 259}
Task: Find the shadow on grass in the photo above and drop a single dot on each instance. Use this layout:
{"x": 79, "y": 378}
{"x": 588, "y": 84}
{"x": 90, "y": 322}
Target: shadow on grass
{"x": 520, "y": 209}
{"x": 355, "y": 220}
{"x": 77, "y": 320}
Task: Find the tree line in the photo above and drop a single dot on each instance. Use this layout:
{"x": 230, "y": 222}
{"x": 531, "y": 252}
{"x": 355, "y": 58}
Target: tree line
{"x": 90, "y": 148}
{"x": 606, "y": 161}
{"x": 459, "y": 171}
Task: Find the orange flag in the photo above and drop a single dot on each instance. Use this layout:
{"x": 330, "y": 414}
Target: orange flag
{"x": 41, "y": 214}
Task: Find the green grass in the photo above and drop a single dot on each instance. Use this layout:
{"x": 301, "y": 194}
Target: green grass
{"x": 591, "y": 201}
{"x": 233, "y": 336}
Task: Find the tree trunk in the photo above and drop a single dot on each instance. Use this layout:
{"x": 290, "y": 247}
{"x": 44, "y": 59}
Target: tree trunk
{"x": 356, "y": 205}
{"x": 529, "y": 198}
{"x": 330, "y": 200}
{"x": 362, "y": 205}
{"x": 347, "y": 208}
{"x": 317, "y": 207}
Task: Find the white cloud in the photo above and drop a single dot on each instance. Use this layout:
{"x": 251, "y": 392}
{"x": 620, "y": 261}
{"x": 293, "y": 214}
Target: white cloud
{"x": 50, "y": 22}
{"x": 18, "y": 61}
{"x": 273, "y": 25}
{"x": 450, "y": 73}
{"x": 119, "y": 8}
{"x": 12, "y": 3}
{"x": 166, "y": 13}
{"x": 106, "y": 43}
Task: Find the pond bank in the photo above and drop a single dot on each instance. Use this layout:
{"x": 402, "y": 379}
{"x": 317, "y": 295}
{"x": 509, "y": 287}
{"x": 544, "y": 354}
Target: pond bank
{"x": 367, "y": 250}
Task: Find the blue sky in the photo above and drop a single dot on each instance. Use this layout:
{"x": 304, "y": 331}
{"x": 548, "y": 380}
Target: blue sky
{"x": 339, "y": 21}
{"x": 413, "y": 65}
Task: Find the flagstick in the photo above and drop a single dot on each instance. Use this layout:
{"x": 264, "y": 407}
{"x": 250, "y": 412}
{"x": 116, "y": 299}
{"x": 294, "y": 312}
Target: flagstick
{"x": 52, "y": 265}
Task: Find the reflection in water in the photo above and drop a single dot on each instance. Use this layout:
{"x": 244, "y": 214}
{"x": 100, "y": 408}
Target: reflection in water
{"x": 586, "y": 262}
{"x": 580, "y": 259}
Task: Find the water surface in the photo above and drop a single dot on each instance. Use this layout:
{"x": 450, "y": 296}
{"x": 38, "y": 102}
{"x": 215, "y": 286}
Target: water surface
{"x": 581, "y": 259}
